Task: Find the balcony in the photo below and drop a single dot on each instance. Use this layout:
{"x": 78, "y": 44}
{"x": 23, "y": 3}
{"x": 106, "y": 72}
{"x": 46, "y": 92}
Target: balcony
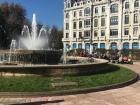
{"x": 102, "y": 37}
{"x": 74, "y": 39}
{"x": 125, "y": 37}
{"x": 96, "y": 38}
{"x": 65, "y": 39}
{"x": 113, "y": 37}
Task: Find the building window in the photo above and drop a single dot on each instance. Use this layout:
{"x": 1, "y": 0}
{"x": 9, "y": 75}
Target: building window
{"x": 135, "y": 45}
{"x": 96, "y": 10}
{"x": 80, "y": 24}
{"x": 114, "y": 8}
{"x": 126, "y": 31}
{"x": 113, "y": 45}
{"x": 87, "y": 23}
{"x": 74, "y": 25}
{"x": 74, "y": 14}
{"x": 74, "y": 34}
{"x": 87, "y": 34}
{"x": 95, "y": 33}
{"x": 103, "y": 33}
{"x": 67, "y": 46}
{"x": 102, "y": 45}
{"x": 135, "y": 31}
{"x": 95, "y": 22}
{"x": 103, "y": 22}
{"x": 95, "y": 45}
{"x": 74, "y": 45}
{"x": 67, "y": 15}
{"x": 80, "y": 13}
{"x": 114, "y": 20}
{"x": 67, "y": 26}
{"x": 67, "y": 35}
{"x": 127, "y": 5}
{"x": 80, "y": 34}
{"x": 126, "y": 45}
{"x": 113, "y": 32}
{"x": 126, "y": 19}
{"x": 87, "y": 11}
{"x": 87, "y": 46}
{"x": 136, "y": 3}
{"x": 80, "y": 45}
{"x": 135, "y": 18}
{"x": 68, "y": 5}
{"x": 103, "y": 9}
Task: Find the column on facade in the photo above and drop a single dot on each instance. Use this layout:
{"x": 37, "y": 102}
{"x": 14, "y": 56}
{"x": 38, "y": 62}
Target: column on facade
{"x": 120, "y": 25}
{"x": 107, "y": 26}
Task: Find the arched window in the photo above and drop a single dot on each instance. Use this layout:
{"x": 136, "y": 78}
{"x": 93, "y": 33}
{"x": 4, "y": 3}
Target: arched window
{"x": 95, "y": 45}
{"x": 103, "y": 9}
{"x": 67, "y": 46}
{"x": 114, "y": 8}
{"x": 96, "y": 10}
{"x": 67, "y": 15}
{"x": 135, "y": 45}
{"x": 87, "y": 11}
{"x": 126, "y": 45}
{"x": 74, "y": 14}
{"x": 136, "y": 3}
{"x": 102, "y": 45}
{"x": 87, "y": 46}
{"x": 127, "y": 5}
{"x": 113, "y": 45}
{"x": 80, "y": 13}
{"x": 80, "y": 45}
{"x": 74, "y": 45}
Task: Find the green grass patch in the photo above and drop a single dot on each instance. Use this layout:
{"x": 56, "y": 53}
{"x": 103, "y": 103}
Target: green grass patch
{"x": 43, "y": 84}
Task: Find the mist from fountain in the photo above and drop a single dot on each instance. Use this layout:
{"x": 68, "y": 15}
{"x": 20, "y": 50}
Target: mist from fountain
{"x": 34, "y": 40}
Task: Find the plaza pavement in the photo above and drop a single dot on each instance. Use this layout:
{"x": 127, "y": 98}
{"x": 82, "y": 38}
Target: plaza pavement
{"x": 129, "y": 95}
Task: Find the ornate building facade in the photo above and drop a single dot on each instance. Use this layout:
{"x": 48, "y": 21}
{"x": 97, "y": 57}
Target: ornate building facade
{"x": 109, "y": 24}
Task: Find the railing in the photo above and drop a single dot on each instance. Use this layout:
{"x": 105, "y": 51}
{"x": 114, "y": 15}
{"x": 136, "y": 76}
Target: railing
{"x": 65, "y": 39}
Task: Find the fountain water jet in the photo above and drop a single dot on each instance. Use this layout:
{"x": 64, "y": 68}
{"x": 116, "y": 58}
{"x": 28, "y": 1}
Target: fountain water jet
{"x": 34, "y": 40}
{"x": 12, "y": 49}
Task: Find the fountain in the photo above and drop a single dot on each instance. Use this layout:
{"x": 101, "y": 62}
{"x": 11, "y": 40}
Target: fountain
{"x": 32, "y": 47}
{"x": 32, "y": 54}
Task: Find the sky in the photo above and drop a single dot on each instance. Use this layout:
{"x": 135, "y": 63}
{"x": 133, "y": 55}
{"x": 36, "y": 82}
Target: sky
{"x": 49, "y": 12}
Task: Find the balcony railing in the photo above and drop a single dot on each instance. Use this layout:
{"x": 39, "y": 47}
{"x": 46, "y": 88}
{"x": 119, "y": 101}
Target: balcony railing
{"x": 65, "y": 39}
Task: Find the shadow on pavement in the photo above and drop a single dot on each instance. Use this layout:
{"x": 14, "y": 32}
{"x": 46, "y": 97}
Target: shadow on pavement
{"x": 40, "y": 102}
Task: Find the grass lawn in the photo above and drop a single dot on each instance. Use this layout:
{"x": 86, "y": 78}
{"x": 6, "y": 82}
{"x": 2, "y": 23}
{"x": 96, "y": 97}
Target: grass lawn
{"x": 43, "y": 84}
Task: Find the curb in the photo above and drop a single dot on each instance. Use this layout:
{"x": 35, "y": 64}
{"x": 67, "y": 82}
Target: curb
{"x": 69, "y": 92}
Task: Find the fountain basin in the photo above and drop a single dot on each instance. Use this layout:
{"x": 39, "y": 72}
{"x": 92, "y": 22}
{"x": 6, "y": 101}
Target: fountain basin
{"x": 31, "y": 56}
{"x": 54, "y": 70}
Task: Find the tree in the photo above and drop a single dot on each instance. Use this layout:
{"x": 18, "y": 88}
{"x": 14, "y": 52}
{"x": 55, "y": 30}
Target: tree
{"x": 56, "y": 38}
{"x": 12, "y": 19}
